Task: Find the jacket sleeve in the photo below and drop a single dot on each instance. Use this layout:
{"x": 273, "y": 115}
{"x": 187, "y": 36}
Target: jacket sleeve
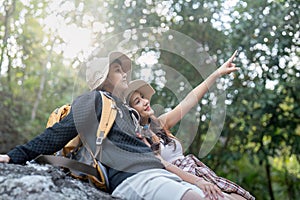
{"x": 48, "y": 142}
{"x": 85, "y": 109}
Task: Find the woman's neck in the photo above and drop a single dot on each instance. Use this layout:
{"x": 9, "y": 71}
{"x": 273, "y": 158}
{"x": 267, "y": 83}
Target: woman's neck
{"x": 145, "y": 121}
{"x": 115, "y": 93}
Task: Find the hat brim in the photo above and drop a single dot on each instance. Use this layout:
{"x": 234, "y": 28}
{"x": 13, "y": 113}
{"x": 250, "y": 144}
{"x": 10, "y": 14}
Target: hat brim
{"x": 125, "y": 60}
{"x": 140, "y": 86}
{"x": 96, "y": 80}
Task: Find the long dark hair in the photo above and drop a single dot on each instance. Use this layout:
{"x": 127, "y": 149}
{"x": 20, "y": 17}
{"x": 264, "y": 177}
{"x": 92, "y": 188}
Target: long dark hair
{"x": 160, "y": 130}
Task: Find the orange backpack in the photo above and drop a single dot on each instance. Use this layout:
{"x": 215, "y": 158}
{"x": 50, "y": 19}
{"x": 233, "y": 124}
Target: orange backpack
{"x": 69, "y": 157}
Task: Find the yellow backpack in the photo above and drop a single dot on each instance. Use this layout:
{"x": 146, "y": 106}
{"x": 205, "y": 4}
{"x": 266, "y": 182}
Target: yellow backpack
{"x": 70, "y": 156}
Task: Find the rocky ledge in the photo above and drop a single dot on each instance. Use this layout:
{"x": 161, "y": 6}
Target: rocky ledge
{"x": 33, "y": 181}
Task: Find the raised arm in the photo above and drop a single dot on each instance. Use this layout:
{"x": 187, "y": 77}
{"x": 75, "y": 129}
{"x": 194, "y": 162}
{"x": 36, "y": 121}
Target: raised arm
{"x": 171, "y": 118}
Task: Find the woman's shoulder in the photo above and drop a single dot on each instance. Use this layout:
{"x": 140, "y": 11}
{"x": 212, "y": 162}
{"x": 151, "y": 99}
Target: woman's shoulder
{"x": 88, "y": 96}
{"x": 87, "y": 102}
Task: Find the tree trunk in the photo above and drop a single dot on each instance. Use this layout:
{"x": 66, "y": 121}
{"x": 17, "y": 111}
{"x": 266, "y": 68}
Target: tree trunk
{"x": 42, "y": 84}
{"x": 268, "y": 171}
{"x": 290, "y": 185}
{"x": 9, "y": 76}
{"x": 8, "y": 12}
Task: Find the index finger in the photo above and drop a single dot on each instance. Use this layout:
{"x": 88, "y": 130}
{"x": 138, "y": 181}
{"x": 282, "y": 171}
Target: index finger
{"x": 233, "y": 55}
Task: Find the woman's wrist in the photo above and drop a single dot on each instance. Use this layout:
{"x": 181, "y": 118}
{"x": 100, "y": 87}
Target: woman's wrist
{"x": 217, "y": 73}
{"x": 198, "y": 181}
{"x": 4, "y": 158}
{"x": 166, "y": 164}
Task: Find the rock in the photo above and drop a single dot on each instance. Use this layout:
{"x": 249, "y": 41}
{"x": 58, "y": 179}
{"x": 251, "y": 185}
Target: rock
{"x": 33, "y": 181}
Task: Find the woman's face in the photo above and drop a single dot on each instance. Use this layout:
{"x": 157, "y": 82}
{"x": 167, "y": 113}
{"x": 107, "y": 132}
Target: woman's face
{"x": 116, "y": 81}
{"x": 142, "y": 105}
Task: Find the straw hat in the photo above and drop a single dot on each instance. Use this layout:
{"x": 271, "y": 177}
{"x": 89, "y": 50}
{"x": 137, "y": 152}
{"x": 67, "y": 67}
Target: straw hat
{"x": 141, "y": 86}
{"x": 97, "y": 68}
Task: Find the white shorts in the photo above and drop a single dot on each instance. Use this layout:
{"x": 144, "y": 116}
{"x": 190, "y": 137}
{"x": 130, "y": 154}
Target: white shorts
{"x": 158, "y": 184}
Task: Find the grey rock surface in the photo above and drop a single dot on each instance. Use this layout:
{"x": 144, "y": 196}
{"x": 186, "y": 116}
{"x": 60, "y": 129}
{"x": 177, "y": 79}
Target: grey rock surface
{"x": 33, "y": 181}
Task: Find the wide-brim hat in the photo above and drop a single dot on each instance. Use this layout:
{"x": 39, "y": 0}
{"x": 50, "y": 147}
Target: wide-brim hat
{"x": 140, "y": 86}
{"x": 97, "y": 69}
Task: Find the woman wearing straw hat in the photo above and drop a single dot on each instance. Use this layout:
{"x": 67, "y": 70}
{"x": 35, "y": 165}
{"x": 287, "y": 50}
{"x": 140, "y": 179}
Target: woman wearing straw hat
{"x": 134, "y": 172}
{"x": 156, "y": 133}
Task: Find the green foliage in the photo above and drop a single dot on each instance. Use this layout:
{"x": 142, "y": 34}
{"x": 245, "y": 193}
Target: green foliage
{"x": 259, "y": 145}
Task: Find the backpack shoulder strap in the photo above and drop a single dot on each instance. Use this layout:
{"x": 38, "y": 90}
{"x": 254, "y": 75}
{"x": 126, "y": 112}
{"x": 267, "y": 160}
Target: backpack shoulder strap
{"x": 108, "y": 116}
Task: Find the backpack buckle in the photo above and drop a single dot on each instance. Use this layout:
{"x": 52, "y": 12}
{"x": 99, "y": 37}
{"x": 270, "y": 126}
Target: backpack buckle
{"x": 99, "y": 139}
